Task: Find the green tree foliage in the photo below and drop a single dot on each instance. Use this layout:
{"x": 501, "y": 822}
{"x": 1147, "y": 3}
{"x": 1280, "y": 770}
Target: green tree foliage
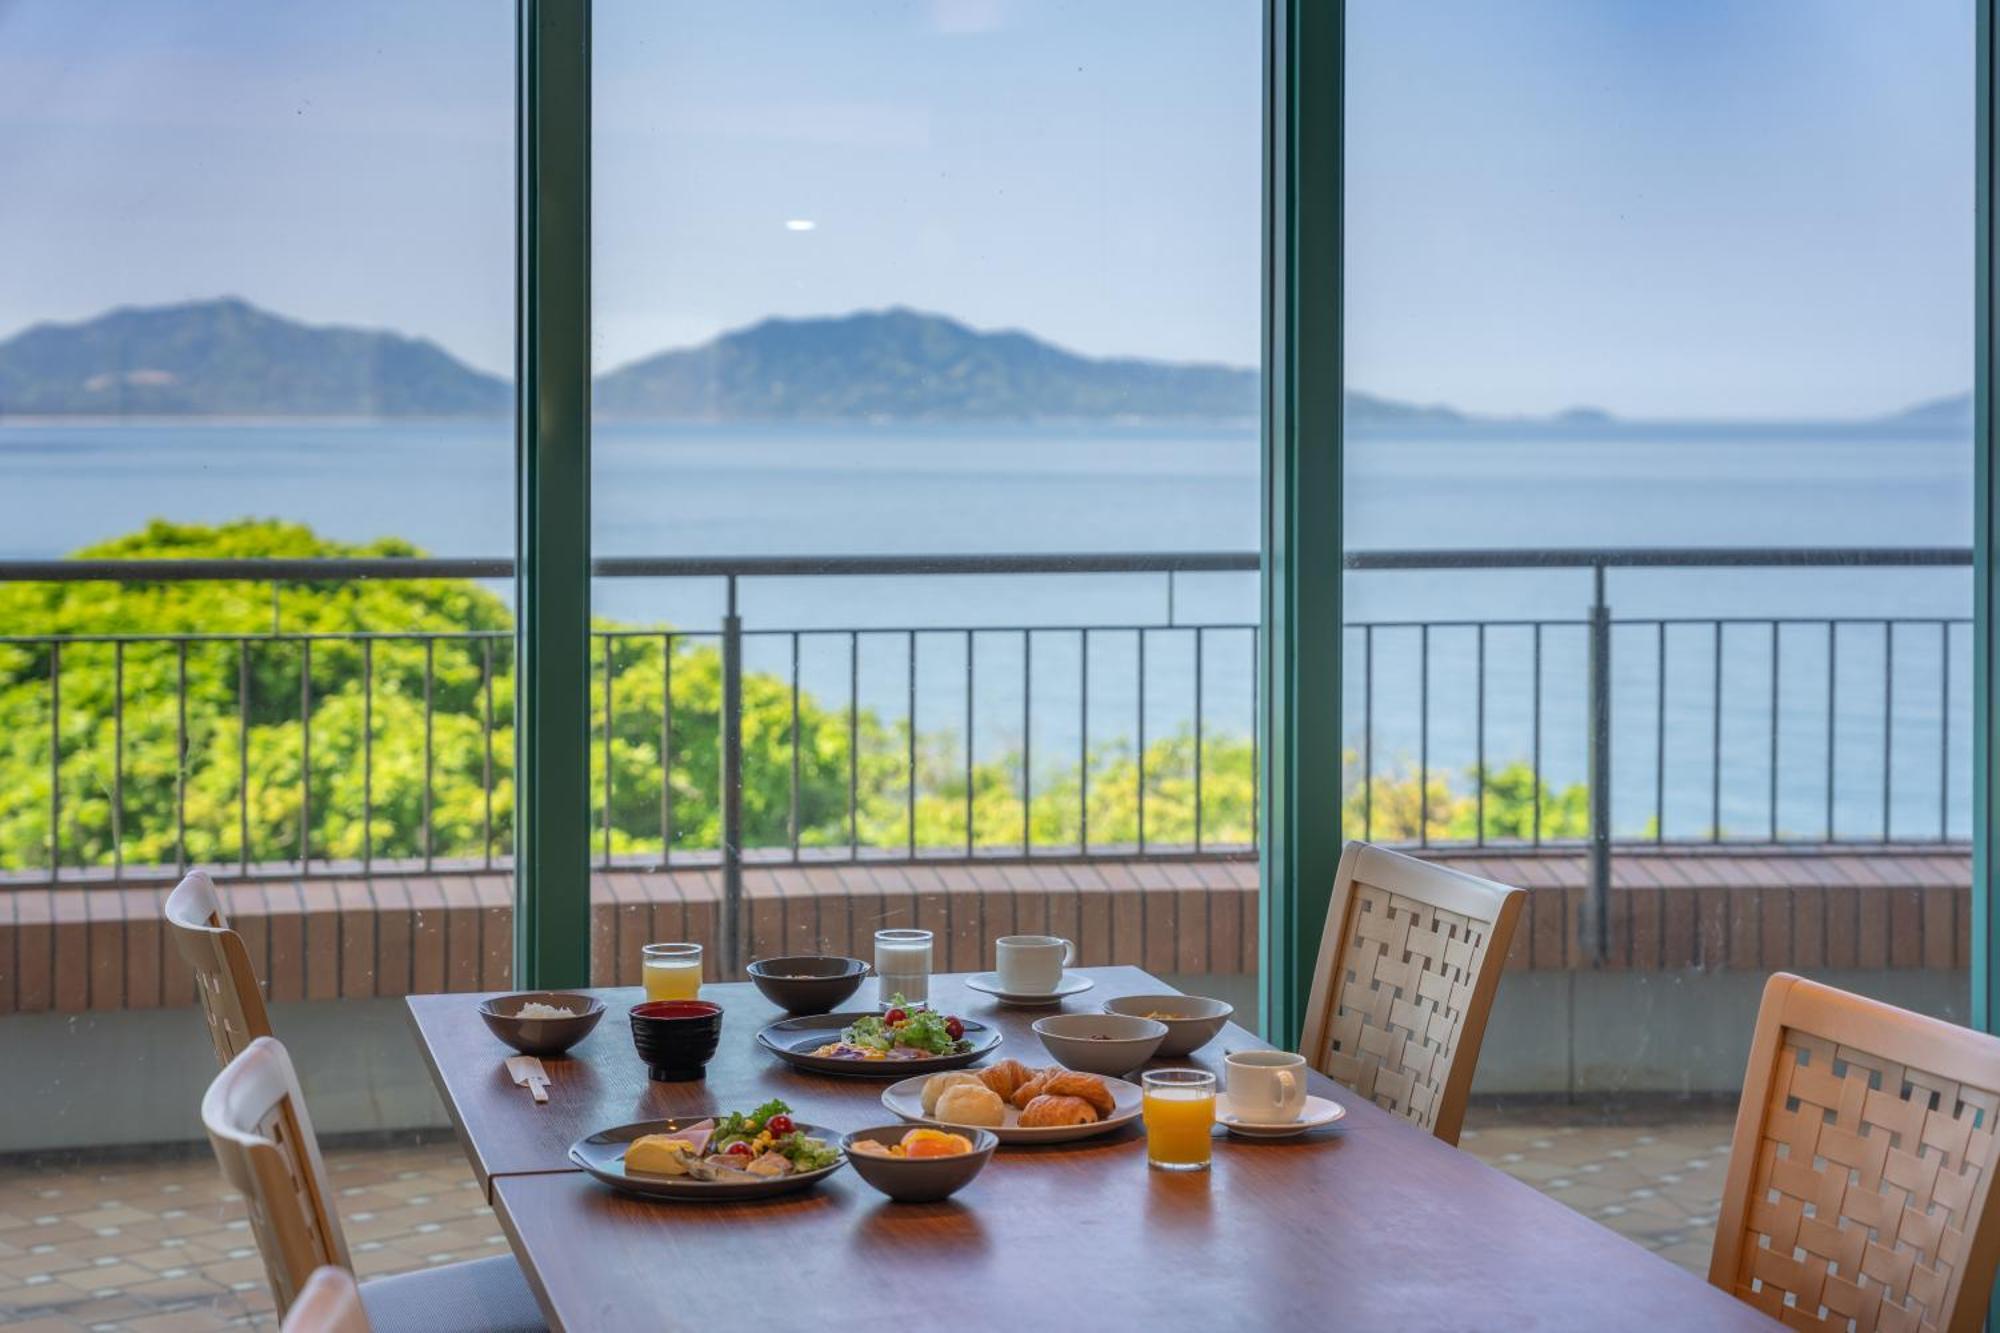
{"x": 1390, "y": 807}
{"x": 406, "y": 732}
{"x": 1228, "y": 811}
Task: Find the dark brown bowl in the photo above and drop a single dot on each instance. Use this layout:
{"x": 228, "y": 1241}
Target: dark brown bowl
{"x": 808, "y": 983}
{"x": 919, "y": 1179}
{"x": 541, "y": 1036}
{"x": 676, "y": 1038}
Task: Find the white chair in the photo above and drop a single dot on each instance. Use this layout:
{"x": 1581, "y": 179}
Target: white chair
{"x": 256, "y": 1119}
{"x": 230, "y": 997}
{"x": 330, "y": 1302}
{"x": 1408, "y": 967}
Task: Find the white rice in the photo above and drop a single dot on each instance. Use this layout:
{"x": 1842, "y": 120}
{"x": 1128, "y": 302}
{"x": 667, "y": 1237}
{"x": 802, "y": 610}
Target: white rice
{"x": 536, "y": 1009}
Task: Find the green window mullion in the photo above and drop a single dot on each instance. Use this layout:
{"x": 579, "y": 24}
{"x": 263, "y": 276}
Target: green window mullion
{"x": 1299, "y": 657}
{"x": 552, "y": 497}
{"x": 1986, "y": 513}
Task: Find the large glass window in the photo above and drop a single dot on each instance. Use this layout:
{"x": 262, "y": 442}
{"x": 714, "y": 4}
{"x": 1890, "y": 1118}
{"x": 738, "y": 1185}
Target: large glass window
{"x": 953, "y": 309}
{"x": 1649, "y": 309}
{"x": 259, "y": 306}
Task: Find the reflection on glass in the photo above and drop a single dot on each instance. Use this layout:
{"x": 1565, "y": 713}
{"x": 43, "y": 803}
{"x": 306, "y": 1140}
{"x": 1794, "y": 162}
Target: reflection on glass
{"x": 1651, "y": 362}
{"x": 260, "y": 307}
{"x": 953, "y": 310}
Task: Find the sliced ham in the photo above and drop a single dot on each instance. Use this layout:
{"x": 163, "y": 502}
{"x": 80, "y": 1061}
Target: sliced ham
{"x": 697, "y": 1135}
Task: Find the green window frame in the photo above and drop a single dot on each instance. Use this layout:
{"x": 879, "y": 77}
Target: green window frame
{"x": 1300, "y": 623}
{"x": 552, "y": 496}
{"x": 1299, "y": 657}
{"x": 1986, "y": 514}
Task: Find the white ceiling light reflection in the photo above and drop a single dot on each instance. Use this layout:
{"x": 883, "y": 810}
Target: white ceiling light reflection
{"x": 800, "y": 224}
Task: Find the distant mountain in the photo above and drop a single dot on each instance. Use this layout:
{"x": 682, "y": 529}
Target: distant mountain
{"x": 1953, "y": 410}
{"x": 1365, "y": 409}
{"x": 905, "y": 365}
{"x": 228, "y": 358}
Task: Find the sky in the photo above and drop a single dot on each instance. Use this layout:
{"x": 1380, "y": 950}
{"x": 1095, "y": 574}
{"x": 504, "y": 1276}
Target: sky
{"x": 1708, "y": 208}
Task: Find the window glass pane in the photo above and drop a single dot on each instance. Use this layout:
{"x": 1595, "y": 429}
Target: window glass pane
{"x": 896, "y": 294}
{"x": 1692, "y": 279}
{"x": 258, "y": 305}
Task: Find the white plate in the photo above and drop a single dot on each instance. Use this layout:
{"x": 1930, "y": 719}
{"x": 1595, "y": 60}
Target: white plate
{"x": 906, "y": 1100}
{"x": 1319, "y": 1113}
{"x": 988, "y": 983}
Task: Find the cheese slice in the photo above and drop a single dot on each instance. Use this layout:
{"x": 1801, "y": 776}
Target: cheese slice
{"x": 659, "y": 1155}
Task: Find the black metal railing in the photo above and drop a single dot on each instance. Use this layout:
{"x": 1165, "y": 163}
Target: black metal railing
{"x": 401, "y": 671}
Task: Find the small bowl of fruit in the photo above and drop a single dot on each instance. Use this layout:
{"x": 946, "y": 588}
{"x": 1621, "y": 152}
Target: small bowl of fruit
{"x": 920, "y": 1164}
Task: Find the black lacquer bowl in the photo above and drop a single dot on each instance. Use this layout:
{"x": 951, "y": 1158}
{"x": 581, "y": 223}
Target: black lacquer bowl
{"x": 676, "y": 1038}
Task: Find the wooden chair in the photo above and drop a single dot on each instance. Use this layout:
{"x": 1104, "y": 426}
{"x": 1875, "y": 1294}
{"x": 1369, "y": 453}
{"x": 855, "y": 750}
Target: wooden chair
{"x": 230, "y": 997}
{"x": 256, "y": 1119}
{"x": 1860, "y": 1178}
{"x": 330, "y": 1302}
{"x": 1407, "y": 970}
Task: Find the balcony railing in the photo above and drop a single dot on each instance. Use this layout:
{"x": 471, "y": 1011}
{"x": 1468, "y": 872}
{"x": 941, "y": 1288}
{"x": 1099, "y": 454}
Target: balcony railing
{"x": 702, "y": 760}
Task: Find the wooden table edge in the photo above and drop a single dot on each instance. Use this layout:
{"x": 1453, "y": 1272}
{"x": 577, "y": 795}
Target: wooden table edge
{"x": 445, "y": 1095}
{"x": 519, "y": 1248}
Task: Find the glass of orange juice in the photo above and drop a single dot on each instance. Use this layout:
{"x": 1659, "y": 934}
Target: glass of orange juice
{"x": 1179, "y": 1112}
{"x": 672, "y": 971}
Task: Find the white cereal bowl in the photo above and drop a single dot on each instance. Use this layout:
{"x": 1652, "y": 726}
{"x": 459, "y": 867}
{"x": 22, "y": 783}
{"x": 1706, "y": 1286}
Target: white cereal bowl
{"x": 1192, "y": 1020}
{"x": 1110, "y": 1044}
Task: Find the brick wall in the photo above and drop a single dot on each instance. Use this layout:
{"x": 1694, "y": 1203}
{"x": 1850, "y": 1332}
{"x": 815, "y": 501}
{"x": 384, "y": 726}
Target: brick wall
{"x": 76, "y": 949}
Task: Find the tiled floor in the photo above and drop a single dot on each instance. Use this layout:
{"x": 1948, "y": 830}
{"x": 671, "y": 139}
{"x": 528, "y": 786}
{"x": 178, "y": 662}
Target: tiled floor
{"x": 1654, "y": 1177}
{"x": 163, "y": 1244}
{"x": 159, "y": 1243}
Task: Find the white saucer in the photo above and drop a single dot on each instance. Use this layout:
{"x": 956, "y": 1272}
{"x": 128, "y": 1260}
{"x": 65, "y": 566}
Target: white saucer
{"x": 988, "y": 983}
{"x": 1319, "y": 1112}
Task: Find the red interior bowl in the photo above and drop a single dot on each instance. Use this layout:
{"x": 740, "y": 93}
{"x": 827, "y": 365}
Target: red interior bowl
{"x": 676, "y": 1009}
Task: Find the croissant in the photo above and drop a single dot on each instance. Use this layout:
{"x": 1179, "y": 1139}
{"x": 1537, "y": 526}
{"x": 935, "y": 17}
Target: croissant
{"x": 1032, "y": 1087}
{"x": 1046, "y": 1112}
{"x": 1004, "y": 1077}
{"x": 1088, "y": 1087}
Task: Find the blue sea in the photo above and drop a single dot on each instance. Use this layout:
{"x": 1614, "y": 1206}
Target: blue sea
{"x": 761, "y": 490}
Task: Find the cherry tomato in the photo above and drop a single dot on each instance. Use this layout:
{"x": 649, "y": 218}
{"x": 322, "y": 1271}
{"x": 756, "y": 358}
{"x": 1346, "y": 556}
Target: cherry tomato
{"x": 953, "y": 1028}
{"x": 895, "y": 1016}
{"x": 739, "y": 1149}
{"x": 779, "y": 1125}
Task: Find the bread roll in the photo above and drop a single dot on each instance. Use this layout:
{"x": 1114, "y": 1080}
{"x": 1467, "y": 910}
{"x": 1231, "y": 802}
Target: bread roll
{"x": 1047, "y": 1111}
{"x": 971, "y": 1104}
{"x": 936, "y": 1084}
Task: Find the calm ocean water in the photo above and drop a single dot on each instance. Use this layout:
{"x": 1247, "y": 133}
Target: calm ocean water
{"x": 817, "y": 490}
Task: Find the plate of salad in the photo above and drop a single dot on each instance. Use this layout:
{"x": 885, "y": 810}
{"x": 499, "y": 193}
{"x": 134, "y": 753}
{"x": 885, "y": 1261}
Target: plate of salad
{"x": 903, "y": 1040}
{"x": 742, "y": 1155}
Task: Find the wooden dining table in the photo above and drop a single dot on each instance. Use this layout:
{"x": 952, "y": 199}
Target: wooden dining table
{"x": 1368, "y": 1224}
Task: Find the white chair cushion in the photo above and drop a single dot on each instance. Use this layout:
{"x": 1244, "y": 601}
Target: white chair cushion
{"x": 477, "y": 1296}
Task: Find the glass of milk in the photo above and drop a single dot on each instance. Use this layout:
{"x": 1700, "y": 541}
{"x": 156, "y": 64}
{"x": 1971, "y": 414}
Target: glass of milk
{"x": 903, "y": 962}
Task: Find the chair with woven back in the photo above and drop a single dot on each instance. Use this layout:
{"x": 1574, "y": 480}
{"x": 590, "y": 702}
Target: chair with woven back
{"x": 263, "y": 1138}
{"x": 230, "y": 997}
{"x": 1408, "y": 967}
{"x": 1860, "y": 1188}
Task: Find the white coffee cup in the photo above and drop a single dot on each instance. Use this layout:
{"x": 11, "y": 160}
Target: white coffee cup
{"x": 1032, "y": 964}
{"x": 1266, "y": 1087}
